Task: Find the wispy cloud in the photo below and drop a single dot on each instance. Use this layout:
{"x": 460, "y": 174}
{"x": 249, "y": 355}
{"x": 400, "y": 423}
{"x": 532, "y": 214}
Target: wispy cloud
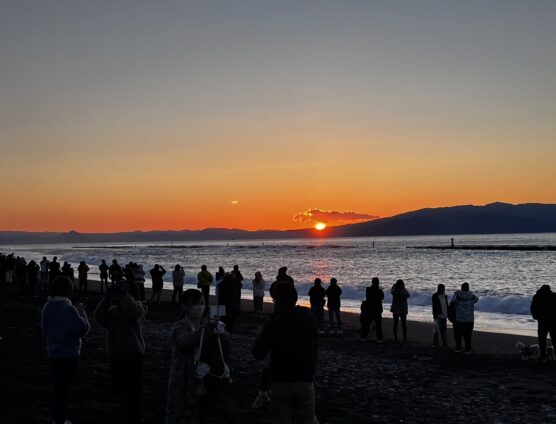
{"x": 317, "y": 215}
{"x": 234, "y": 202}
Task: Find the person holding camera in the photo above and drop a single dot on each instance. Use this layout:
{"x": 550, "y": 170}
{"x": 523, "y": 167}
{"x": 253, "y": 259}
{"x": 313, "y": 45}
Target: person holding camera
{"x": 178, "y": 280}
{"x": 123, "y": 315}
{"x": 204, "y": 280}
{"x": 191, "y": 361}
{"x": 156, "y": 275}
{"x": 63, "y": 325}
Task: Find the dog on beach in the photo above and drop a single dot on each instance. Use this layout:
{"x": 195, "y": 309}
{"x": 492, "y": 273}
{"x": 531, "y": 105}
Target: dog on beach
{"x": 528, "y": 353}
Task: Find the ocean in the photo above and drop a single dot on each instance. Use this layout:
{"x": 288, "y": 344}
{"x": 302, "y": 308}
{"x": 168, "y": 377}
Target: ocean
{"x": 505, "y": 281}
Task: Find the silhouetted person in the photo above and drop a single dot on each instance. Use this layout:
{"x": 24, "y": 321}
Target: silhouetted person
{"x": 258, "y": 284}
{"x": 371, "y": 310}
{"x": 333, "y": 293}
{"x": 543, "y": 309}
{"x": 103, "y": 268}
{"x": 464, "y": 302}
{"x": 290, "y": 336}
{"x": 139, "y": 279}
{"x": 53, "y": 269}
{"x": 399, "y": 308}
{"x": 317, "y": 298}
{"x": 123, "y": 315}
{"x": 44, "y": 273}
{"x": 67, "y": 270}
{"x": 128, "y": 271}
{"x": 204, "y": 280}
{"x": 32, "y": 276}
{"x": 156, "y": 275}
{"x": 440, "y": 315}
{"x": 178, "y": 280}
{"x": 82, "y": 272}
{"x": 63, "y": 326}
{"x": 237, "y": 274}
{"x": 229, "y": 295}
{"x": 115, "y": 272}
{"x": 283, "y": 275}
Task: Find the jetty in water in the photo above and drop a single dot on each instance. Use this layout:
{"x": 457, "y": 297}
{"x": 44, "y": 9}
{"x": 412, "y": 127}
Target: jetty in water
{"x": 518, "y": 247}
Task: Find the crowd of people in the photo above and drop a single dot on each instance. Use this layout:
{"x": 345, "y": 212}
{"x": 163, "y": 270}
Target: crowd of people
{"x": 201, "y": 339}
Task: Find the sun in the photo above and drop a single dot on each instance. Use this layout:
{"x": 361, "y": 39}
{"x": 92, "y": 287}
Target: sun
{"x": 320, "y": 226}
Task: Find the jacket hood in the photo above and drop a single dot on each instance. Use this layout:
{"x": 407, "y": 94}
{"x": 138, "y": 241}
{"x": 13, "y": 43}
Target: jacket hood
{"x": 544, "y": 290}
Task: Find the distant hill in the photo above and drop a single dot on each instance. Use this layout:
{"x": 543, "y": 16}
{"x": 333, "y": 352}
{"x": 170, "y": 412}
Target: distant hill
{"x": 494, "y": 218}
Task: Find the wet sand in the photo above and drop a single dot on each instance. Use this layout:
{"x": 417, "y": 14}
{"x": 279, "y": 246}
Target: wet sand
{"x": 356, "y": 382}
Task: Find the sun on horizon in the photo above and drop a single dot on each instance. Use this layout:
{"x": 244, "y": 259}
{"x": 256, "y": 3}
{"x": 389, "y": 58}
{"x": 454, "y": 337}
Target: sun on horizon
{"x": 319, "y": 226}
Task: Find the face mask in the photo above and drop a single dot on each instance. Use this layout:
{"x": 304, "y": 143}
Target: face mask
{"x": 196, "y": 311}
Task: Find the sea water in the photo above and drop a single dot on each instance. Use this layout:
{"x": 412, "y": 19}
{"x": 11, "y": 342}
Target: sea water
{"x": 505, "y": 281}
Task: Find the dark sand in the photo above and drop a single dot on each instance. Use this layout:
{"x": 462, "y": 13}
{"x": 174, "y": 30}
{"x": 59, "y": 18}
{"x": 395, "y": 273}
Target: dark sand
{"x": 356, "y": 382}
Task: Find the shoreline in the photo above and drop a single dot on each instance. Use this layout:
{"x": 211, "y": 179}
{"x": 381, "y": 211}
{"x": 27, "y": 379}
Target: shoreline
{"x": 419, "y": 332}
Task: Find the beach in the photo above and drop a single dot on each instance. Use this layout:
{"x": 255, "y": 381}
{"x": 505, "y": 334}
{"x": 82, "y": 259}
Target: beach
{"x": 355, "y": 382}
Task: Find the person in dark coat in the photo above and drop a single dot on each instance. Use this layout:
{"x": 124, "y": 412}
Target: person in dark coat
{"x": 333, "y": 293}
{"x": 53, "y": 269}
{"x": 317, "y": 298}
{"x": 229, "y": 295}
{"x": 543, "y": 309}
{"x": 82, "y": 272}
{"x": 32, "y": 276}
{"x": 103, "y": 268}
{"x": 67, "y": 270}
{"x": 440, "y": 315}
{"x": 399, "y": 308}
{"x": 290, "y": 336}
{"x": 156, "y": 275}
{"x": 371, "y": 311}
{"x": 115, "y": 272}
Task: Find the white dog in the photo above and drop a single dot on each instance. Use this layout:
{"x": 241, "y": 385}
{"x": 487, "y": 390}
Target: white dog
{"x": 531, "y": 352}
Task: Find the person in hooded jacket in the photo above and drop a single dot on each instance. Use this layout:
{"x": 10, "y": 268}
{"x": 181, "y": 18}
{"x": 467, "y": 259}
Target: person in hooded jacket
{"x": 63, "y": 325}
{"x": 156, "y": 275}
{"x": 333, "y": 293}
{"x": 464, "y": 302}
{"x": 399, "y": 308}
{"x": 371, "y": 310}
{"x": 543, "y": 309}
{"x": 317, "y": 298}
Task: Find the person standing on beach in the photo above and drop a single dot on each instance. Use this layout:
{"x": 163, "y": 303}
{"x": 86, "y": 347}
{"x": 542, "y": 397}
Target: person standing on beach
{"x": 218, "y": 277}
{"x": 32, "y": 276}
{"x": 333, "y": 293}
{"x": 103, "y": 268}
{"x": 204, "y": 280}
{"x": 543, "y": 309}
{"x": 290, "y": 336}
{"x": 440, "y": 315}
{"x": 237, "y": 274}
{"x": 371, "y": 311}
{"x": 258, "y": 293}
{"x": 399, "y": 308}
{"x": 82, "y": 272}
{"x": 317, "y": 298}
{"x": 229, "y": 295}
{"x": 178, "y": 276}
{"x": 139, "y": 279}
{"x": 123, "y": 315}
{"x": 156, "y": 275}
{"x": 63, "y": 326}
{"x": 68, "y": 271}
{"x": 464, "y": 302}
{"x": 115, "y": 272}
{"x": 53, "y": 269}
{"x": 44, "y": 273}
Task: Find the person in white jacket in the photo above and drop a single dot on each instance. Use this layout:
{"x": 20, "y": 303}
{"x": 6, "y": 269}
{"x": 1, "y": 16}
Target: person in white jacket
{"x": 258, "y": 292}
{"x": 464, "y": 303}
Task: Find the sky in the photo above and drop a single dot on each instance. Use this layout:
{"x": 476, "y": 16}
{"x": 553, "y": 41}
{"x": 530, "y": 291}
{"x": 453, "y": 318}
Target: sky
{"x": 142, "y": 115}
